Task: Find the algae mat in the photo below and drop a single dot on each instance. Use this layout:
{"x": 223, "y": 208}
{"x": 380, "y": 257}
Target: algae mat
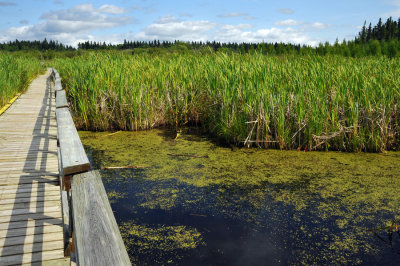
{"x": 187, "y": 200}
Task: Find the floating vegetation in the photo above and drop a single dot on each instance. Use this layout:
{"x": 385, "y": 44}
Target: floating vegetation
{"x": 156, "y": 241}
{"x": 289, "y": 207}
{"x": 114, "y": 195}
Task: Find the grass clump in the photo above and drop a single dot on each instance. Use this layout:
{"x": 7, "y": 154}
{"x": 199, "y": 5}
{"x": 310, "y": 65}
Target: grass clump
{"x": 16, "y": 72}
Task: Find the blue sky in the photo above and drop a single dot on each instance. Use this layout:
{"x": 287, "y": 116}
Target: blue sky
{"x": 304, "y": 22}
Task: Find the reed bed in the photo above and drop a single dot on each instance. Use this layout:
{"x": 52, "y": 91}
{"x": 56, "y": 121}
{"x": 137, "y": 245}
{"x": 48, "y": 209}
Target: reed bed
{"x": 16, "y": 72}
{"x": 287, "y": 102}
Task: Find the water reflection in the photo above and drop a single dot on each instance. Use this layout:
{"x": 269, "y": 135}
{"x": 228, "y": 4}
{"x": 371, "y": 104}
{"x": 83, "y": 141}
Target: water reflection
{"x": 247, "y": 207}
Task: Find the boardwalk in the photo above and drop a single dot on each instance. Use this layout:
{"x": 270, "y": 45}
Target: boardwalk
{"x": 30, "y": 206}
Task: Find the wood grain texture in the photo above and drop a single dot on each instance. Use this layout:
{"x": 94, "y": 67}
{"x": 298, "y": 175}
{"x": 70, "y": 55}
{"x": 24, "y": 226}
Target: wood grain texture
{"x": 32, "y": 257}
{"x": 57, "y": 85}
{"x": 61, "y": 99}
{"x": 73, "y": 156}
{"x": 97, "y": 237}
{"x": 30, "y": 199}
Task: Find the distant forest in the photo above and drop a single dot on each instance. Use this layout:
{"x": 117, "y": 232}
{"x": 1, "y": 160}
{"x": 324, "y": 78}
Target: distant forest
{"x": 381, "y": 39}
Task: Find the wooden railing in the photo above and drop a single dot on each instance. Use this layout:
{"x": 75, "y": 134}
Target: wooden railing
{"x": 91, "y": 234}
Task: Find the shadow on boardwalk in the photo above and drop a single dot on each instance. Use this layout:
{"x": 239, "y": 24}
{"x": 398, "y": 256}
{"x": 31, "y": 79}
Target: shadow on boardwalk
{"x": 35, "y": 224}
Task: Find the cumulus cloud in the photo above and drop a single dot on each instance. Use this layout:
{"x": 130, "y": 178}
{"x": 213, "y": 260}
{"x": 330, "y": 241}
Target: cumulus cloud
{"x": 24, "y": 21}
{"x": 171, "y": 28}
{"x": 77, "y": 24}
{"x": 7, "y": 4}
{"x": 70, "y": 24}
{"x": 111, "y": 9}
{"x": 286, "y": 11}
{"x": 292, "y": 23}
{"x": 231, "y": 33}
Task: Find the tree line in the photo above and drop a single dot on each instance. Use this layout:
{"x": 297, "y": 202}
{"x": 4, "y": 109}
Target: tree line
{"x": 35, "y": 45}
{"x": 381, "y": 39}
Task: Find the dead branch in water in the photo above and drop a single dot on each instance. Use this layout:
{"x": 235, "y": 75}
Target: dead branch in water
{"x": 124, "y": 167}
{"x": 188, "y": 155}
{"x": 320, "y": 140}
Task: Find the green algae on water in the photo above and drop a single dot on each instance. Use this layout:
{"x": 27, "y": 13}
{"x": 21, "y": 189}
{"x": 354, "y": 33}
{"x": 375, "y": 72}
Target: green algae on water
{"x": 329, "y": 199}
{"x": 160, "y": 239}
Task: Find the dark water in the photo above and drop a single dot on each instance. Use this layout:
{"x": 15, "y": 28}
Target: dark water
{"x": 190, "y": 202}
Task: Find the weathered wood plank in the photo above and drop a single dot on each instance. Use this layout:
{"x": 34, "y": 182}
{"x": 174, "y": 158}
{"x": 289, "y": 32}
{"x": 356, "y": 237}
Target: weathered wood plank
{"x": 32, "y": 223}
{"x": 61, "y": 99}
{"x": 32, "y": 209}
{"x": 31, "y": 257}
{"x": 32, "y": 194}
{"x": 30, "y": 200}
{"x": 28, "y": 248}
{"x": 37, "y": 216}
{"x": 97, "y": 237}
{"x": 57, "y": 262}
{"x": 57, "y": 85}
{"x": 23, "y": 180}
{"x": 30, "y": 205}
{"x": 30, "y": 239}
{"x": 33, "y": 187}
{"x": 31, "y": 229}
{"x": 73, "y": 156}
{"x": 65, "y": 206}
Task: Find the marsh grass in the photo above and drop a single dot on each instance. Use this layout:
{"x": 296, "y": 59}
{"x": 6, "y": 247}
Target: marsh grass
{"x": 16, "y": 72}
{"x": 287, "y": 102}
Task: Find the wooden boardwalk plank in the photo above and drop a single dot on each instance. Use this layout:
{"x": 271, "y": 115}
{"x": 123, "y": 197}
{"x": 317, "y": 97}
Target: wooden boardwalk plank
{"x": 38, "y": 216}
{"x": 32, "y": 257}
{"x": 73, "y": 155}
{"x": 31, "y": 228}
{"x": 42, "y": 193}
{"x": 28, "y": 248}
{"x": 61, "y": 99}
{"x": 97, "y": 237}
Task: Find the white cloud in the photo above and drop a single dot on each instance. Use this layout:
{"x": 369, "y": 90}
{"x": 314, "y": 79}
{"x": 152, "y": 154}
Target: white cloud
{"x": 77, "y": 24}
{"x": 170, "y": 28}
{"x": 69, "y": 25}
{"x": 286, "y": 11}
{"x": 167, "y": 20}
{"x": 231, "y": 33}
{"x": 288, "y": 22}
{"x": 111, "y": 9}
{"x": 318, "y": 25}
{"x": 291, "y": 23}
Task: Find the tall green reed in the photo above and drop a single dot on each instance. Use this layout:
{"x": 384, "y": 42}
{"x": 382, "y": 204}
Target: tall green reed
{"x": 287, "y": 102}
{"x": 16, "y": 72}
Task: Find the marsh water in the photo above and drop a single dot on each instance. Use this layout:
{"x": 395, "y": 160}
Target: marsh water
{"x": 188, "y": 201}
